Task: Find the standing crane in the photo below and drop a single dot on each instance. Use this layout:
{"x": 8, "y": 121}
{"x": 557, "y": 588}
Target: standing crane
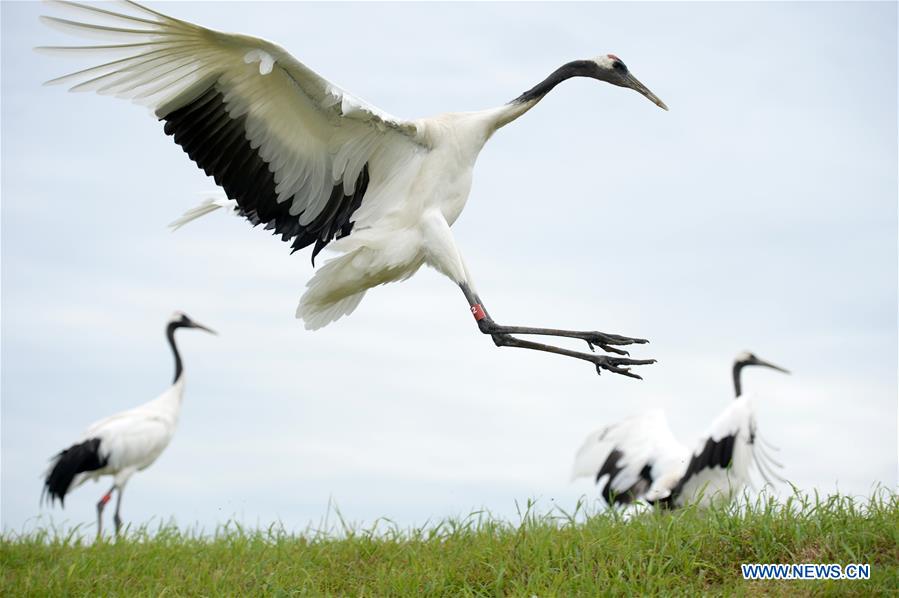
{"x": 318, "y": 166}
{"x": 641, "y": 459}
{"x": 124, "y": 443}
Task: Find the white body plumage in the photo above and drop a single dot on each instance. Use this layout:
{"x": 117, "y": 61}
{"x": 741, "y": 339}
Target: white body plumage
{"x": 132, "y": 440}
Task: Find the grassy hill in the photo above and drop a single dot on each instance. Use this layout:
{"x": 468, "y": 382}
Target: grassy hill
{"x": 690, "y": 551}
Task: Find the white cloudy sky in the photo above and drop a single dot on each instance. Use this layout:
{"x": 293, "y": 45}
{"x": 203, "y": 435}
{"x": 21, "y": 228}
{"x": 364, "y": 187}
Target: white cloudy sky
{"x": 759, "y": 213}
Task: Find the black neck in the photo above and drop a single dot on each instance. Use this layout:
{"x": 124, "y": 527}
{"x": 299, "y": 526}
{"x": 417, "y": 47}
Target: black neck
{"x": 577, "y": 68}
{"x": 170, "y": 333}
{"x": 738, "y": 367}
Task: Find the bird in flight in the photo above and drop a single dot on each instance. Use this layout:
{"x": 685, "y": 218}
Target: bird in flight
{"x": 640, "y": 459}
{"x": 317, "y": 165}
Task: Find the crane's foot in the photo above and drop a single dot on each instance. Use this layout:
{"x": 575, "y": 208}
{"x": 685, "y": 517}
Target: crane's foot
{"x": 606, "y": 342}
{"x": 505, "y": 336}
{"x": 616, "y": 365}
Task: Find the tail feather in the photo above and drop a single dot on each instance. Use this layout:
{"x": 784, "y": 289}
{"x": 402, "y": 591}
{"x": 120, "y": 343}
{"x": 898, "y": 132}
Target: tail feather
{"x": 317, "y": 316}
{"x": 339, "y": 285}
{"x": 337, "y": 288}
{"x": 207, "y": 207}
{"x": 67, "y": 464}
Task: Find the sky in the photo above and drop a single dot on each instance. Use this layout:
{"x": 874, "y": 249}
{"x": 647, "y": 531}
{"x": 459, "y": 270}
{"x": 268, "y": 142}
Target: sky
{"x": 759, "y": 214}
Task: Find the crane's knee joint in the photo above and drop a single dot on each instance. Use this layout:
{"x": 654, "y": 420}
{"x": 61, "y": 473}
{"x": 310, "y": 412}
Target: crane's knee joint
{"x": 102, "y": 502}
{"x": 503, "y": 340}
{"x": 488, "y": 326}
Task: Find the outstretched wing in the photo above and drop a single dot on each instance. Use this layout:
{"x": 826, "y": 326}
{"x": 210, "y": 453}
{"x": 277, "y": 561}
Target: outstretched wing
{"x": 295, "y": 151}
{"x": 720, "y": 466}
{"x": 638, "y": 458}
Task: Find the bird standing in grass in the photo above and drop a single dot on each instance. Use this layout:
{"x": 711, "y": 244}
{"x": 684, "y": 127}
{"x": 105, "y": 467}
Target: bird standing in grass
{"x": 318, "y": 166}
{"x": 641, "y": 459}
{"x": 122, "y": 444}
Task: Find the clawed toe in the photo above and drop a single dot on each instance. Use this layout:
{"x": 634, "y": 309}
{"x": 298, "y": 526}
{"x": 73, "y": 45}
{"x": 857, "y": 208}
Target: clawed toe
{"x": 623, "y": 371}
{"x": 607, "y": 348}
{"x": 615, "y": 365}
{"x": 602, "y": 339}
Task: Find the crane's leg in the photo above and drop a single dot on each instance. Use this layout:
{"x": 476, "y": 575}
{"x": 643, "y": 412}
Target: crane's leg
{"x": 118, "y": 505}
{"x": 101, "y": 504}
{"x": 502, "y": 336}
{"x": 440, "y": 252}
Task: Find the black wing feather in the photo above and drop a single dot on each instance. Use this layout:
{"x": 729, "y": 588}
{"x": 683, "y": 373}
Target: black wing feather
{"x": 715, "y": 453}
{"x": 217, "y": 143}
{"x": 611, "y": 468}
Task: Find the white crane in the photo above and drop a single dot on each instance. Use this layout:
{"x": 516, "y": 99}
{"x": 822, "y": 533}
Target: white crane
{"x": 124, "y": 443}
{"x": 318, "y": 166}
{"x": 641, "y": 459}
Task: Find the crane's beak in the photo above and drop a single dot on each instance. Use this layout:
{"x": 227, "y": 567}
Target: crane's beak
{"x": 770, "y": 365}
{"x": 201, "y": 327}
{"x": 634, "y": 83}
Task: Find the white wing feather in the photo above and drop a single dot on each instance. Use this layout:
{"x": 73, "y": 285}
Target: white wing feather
{"x": 207, "y": 207}
{"x": 312, "y": 134}
{"x": 643, "y": 440}
{"x": 710, "y": 484}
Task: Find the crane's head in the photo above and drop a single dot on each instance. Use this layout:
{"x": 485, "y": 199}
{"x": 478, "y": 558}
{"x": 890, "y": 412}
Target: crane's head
{"x": 611, "y": 69}
{"x": 182, "y": 320}
{"x": 747, "y": 358}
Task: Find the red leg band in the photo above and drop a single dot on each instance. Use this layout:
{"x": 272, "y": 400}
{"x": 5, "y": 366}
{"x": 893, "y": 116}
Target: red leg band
{"x": 478, "y": 312}
{"x": 106, "y": 498}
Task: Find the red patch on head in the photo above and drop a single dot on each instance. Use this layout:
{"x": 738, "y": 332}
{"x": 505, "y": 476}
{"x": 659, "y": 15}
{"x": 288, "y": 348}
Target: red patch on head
{"x": 613, "y": 57}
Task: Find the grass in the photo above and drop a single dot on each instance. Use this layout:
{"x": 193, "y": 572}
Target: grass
{"x": 687, "y": 552}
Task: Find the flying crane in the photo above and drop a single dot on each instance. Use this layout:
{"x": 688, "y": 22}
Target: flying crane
{"x": 317, "y": 165}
